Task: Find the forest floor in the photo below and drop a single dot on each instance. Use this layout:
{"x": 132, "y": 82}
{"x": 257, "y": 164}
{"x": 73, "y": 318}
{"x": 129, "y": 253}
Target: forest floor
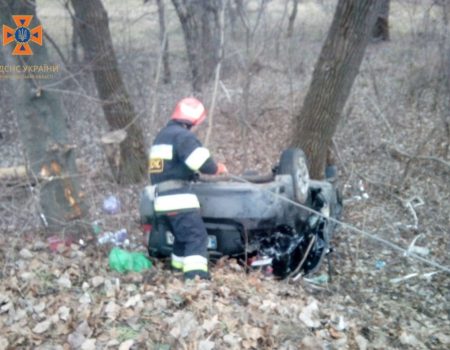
{"x": 393, "y": 129}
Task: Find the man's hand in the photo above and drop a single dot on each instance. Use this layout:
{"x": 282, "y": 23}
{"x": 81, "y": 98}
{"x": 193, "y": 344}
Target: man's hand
{"x": 221, "y": 169}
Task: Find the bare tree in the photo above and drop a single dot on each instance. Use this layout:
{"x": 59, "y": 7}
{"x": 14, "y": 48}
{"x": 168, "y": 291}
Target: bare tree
{"x": 164, "y": 40}
{"x": 128, "y": 161}
{"x": 200, "y": 24}
{"x": 44, "y": 133}
{"x": 381, "y": 28}
{"x": 332, "y": 79}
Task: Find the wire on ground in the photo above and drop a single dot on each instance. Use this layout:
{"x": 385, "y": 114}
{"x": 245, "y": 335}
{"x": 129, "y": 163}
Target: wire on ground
{"x": 406, "y": 252}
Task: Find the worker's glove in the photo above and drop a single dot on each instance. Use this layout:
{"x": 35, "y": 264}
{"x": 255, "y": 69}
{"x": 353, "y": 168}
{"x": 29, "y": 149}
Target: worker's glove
{"x": 221, "y": 169}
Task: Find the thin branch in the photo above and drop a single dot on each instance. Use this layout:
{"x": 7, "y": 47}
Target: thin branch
{"x": 57, "y": 49}
{"x": 218, "y": 69}
{"x": 396, "y": 151}
{"x": 157, "y": 77}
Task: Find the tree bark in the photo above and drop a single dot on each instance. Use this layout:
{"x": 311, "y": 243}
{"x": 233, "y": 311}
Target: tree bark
{"x": 164, "y": 40}
{"x": 200, "y": 24}
{"x": 43, "y": 130}
{"x": 131, "y": 166}
{"x": 332, "y": 79}
{"x": 381, "y": 28}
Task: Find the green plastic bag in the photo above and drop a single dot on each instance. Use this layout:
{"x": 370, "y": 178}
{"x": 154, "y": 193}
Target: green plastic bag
{"x": 122, "y": 261}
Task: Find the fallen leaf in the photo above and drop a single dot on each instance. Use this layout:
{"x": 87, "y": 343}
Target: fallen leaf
{"x": 249, "y": 344}
{"x": 209, "y": 325}
{"x": 362, "y": 342}
{"x": 25, "y": 254}
{"x": 341, "y": 324}
{"x": 335, "y": 334}
{"x": 64, "y": 281}
{"x": 83, "y": 328}
{"x": 42, "y": 327}
{"x": 89, "y": 344}
{"x": 112, "y": 310}
{"x": 409, "y": 339}
{"x": 27, "y": 276}
{"x": 5, "y": 303}
{"x": 183, "y": 324}
{"x": 255, "y": 333}
{"x": 85, "y": 299}
{"x": 126, "y": 345}
{"x": 232, "y": 339}
{"x": 443, "y": 338}
{"x": 310, "y": 314}
{"x": 64, "y": 313}
{"x": 38, "y": 308}
{"x": 133, "y": 301}
{"x": 3, "y": 343}
{"x": 206, "y": 345}
{"x": 76, "y": 339}
{"x": 97, "y": 281}
{"x": 310, "y": 343}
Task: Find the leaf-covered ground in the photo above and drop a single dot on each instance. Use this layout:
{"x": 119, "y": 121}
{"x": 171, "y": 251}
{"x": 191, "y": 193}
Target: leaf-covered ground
{"x": 70, "y": 299}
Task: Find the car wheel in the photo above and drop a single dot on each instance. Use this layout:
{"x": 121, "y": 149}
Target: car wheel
{"x": 293, "y": 162}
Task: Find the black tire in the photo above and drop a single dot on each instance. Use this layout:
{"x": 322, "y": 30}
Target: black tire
{"x": 293, "y": 162}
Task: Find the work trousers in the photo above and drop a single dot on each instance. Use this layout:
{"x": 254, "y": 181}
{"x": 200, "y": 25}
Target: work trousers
{"x": 190, "y": 249}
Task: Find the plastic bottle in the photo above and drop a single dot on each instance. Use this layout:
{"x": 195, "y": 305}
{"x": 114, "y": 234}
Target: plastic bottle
{"x": 105, "y": 237}
{"x": 117, "y": 238}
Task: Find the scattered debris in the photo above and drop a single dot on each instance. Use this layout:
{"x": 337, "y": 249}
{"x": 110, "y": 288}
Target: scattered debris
{"x": 380, "y": 264}
{"x": 57, "y": 243}
{"x": 117, "y": 238}
{"x": 111, "y": 205}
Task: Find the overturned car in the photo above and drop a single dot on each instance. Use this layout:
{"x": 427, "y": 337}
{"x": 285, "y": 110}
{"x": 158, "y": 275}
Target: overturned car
{"x": 281, "y": 219}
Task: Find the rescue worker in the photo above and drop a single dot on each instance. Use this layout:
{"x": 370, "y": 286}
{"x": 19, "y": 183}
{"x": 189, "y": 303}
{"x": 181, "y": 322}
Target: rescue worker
{"x": 176, "y": 156}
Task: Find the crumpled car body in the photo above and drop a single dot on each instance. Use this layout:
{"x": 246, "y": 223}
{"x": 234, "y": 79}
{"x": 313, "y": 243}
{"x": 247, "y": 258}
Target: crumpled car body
{"x": 257, "y": 218}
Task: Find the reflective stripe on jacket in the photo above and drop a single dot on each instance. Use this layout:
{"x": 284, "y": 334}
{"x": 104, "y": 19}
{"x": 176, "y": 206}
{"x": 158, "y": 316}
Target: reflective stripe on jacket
{"x": 173, "y": 202}
{"x": 177, "y": 154}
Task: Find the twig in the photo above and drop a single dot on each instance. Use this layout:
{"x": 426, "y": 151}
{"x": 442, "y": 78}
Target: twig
{"x": 225, "y": 90}
{"x": 395, "y": 150}
{"x": 338, "y": 154}
{"x": 217, "y": 77}
{"x": 56, "y": 47}
{"x": 157, "y": 78}
{"x": 380, "y": 114}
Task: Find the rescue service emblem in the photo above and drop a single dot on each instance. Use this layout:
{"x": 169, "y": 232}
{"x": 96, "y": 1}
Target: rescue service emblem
{"x": 156, "y": 165}
{"x": 22, "y": 35}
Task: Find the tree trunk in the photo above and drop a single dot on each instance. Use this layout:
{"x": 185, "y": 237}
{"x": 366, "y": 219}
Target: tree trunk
{"x": 332, "y": 79}
{"x": 164, "y": 40}
{"x": 131, "y": 165}
{"x": 200, "y": 23}
{"x": 43, "y": 129}
{"x": 381, "y": 28}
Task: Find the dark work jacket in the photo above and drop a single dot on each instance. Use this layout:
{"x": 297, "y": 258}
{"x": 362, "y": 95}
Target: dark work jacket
{"x": 177, "y": 154}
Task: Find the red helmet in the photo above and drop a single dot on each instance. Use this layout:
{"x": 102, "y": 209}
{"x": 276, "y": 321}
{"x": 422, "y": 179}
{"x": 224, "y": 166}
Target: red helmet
{"x": 189, "y": 110}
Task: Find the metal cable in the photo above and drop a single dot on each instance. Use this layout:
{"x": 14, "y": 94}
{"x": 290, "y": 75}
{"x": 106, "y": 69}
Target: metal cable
{"x": 369, "y": 235}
